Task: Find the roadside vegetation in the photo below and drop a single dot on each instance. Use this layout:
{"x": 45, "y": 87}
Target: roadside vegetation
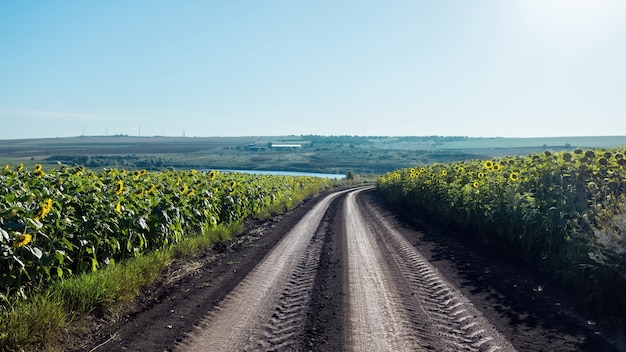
{"x": 73, "y": 241}
{"x": 561, "y": 212}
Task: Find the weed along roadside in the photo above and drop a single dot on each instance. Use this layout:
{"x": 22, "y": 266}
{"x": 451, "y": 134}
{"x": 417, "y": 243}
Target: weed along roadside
{"x": 76, "y": 242}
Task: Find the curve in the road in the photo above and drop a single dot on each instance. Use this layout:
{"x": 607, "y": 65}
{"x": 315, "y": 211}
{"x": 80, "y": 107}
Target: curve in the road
{"x": 395, "y": 300}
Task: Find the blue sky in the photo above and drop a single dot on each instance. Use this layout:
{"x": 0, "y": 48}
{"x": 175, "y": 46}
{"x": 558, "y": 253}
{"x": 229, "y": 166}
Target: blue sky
{"x": 518, "y": 68}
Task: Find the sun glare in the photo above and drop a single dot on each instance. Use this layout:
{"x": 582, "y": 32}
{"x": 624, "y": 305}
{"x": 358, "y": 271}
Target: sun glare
{"x": 573, "y": 24}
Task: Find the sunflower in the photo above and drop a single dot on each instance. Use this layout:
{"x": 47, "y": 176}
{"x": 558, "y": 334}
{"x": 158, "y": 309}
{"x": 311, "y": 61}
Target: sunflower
{"x": 38, "y": 168}
{"x": 480, "y": 175}
{"x": 444, "y": 172}
{"x": 567, "y": 157}
{"x": 120, "y": 188}
{"x": 212, "y": 175}
{"x": 22, "y": 240}
{"x": 476, "y": 184}
{"x": 46, "y": 207}
{"x": 6, "y": 168}
{"x": 233, "y": 184}
{"x": 496, "y": 167}
{"x": 118, "y": 207}
{"x": 514, "y": 176}
{"x": 488, "y": 164}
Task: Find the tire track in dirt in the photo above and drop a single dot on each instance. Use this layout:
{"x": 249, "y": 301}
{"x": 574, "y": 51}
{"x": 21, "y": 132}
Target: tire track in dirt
{"x": 262, "y": 312}
{"x": 443, "y": 319}
{"x": 285, "y": 329}
{"x": 377, "y": 318}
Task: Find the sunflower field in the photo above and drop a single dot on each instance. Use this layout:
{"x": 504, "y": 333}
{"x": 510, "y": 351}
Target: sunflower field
{"x": 565, "y": 211}
{"x": 67, "y": 221}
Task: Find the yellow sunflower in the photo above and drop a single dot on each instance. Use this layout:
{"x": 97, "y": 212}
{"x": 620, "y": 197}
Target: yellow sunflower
{"x": 514, "y": 176}
{"x": 46, "y": 207}
{"x": 22, "y": 240}
{"x": 120, "y": 187}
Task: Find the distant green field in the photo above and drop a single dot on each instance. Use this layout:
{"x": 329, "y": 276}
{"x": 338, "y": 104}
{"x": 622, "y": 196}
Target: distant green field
{"x": 546, "y": 142}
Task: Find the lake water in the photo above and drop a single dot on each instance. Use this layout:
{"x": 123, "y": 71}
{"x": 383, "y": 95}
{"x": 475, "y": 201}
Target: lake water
{"x": 285, "y": 173}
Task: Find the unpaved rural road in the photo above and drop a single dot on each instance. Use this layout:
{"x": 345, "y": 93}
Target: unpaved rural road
{"x": 341, "y": 274}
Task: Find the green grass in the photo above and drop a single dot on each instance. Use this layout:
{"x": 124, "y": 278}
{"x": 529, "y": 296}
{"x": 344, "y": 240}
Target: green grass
{"x": 32, "y": 324}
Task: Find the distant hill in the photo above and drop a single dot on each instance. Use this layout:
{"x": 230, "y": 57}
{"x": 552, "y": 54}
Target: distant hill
{"x": 310, "y": 153}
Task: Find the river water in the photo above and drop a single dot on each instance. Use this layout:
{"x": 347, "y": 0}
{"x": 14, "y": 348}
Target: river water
{"x": 285, "y": 173}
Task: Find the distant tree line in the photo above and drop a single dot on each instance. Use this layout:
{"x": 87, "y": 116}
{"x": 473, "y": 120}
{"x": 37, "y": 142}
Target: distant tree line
{"x": 122, "y": 161}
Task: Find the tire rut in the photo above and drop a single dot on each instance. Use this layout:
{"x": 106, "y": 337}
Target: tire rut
{"x": 285, "y": 329}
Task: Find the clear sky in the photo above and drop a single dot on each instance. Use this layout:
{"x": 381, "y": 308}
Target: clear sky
{"x": 515, "y": 68}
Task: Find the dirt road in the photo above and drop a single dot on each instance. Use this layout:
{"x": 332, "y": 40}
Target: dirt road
{"x": 338, "y": 274}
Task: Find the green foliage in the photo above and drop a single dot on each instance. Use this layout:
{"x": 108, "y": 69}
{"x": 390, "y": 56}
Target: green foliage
{"x": 563, "y": 211}
{"x": 58, "y": 223}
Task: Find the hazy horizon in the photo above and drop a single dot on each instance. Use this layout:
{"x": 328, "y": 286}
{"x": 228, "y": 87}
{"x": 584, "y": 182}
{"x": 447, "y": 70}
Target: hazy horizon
{"x": 520, "y": 68}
